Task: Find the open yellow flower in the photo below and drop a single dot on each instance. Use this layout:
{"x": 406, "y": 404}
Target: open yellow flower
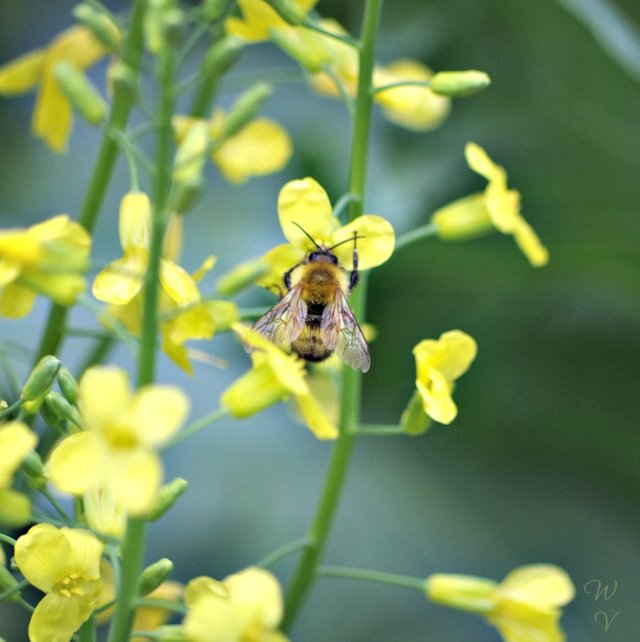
{"x": 184, "y": 315}
{"x": 524, "y": 607}
{"x": 117, "y": 449}
{"x": 438, "y": 364}
{"x": 261, "y": 147}
{"x": 16, "y": 440}
{"x": 498, "y": 207}
{"x": 304, "y": 203}
{"x": 52, "y": 115}
{"x": 245, "y": 606}
{"x": 274, "y": 377}
{"x": 48, "y": 258}
{"x": 64, "y": 563}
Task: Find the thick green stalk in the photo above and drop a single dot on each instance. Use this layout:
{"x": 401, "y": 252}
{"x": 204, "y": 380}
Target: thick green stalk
{"x": 123, "y": 100}
{"x": 306, "y": 570}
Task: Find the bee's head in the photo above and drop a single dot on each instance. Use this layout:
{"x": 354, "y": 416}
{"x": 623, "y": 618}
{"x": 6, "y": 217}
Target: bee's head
{"x": 323, "y": 255}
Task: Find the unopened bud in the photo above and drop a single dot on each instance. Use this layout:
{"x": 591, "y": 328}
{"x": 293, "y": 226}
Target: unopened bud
{"x": 242, "y": 276}
{"x": 39, "y": 383}
{"x": 456, "y": 84}
{"x": 154, "y": 575}
{"x": 100, "y": 24}
{"x": 289, "y": 10}
{"x": 62, "y": 409}
{"x": 465, "y": 218}
{"x": 167, "y": 497}
{"x": 81, "y": 93}
{"x": 303, "y": 46}
{"x": 33, "y": 468}
{"x": 188, "y": 167}
{"x": 414, "y": 420}
{"x": 68, "y": 385}
{"x": 163, "y": 25}
{"x": 244, "y": 109}
{"x": 123, "y": 79}
{"x": 465, "y": 592}
{"x": 214, "y": 9}
{"x": 221, "y": 55}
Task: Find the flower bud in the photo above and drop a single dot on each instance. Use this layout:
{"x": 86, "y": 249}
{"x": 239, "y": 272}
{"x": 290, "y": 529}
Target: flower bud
{"x": 465, "y": 592}
{"x": 242, "y": 276}
{"x": 289, "y": 10}
{"x": 15, "y": 508}
{"x": 167, "y": 497}
{"x": 82, "y": 95}
{"x": 62, "y": 409}
{"x": 465, "y": 218}
{"x": 214, "y": 9}
{"x": 456, "y": 84}
{"x": 244, "y": 109}
{"x": 68, "y": 385}
{"x": 302, "y": 45}
{"x": 221, "y": 55}
{"x": 33, "y": 468}
{"x": 188, "y": 166}
{"x": 163, "y": 25}
{"x": 414, "y": 420}
{"x": 39, "y": 383}
{"x": 224, "y": 313}
{"x": 154, "y": 575}
{"x": 123, "y": 78}
{"x": 100, "y": 25}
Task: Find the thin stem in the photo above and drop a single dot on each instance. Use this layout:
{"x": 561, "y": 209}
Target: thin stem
{"x": 401, "y": 83}
{"x": 422, "y": 232}
{"x": 380, "y": 430}
{"x": 196, "y": 426}
{"x": 56, "y": 504}
{"x": 16, "y": 588}
{"x": 10, "y": 374}
{"x": 165, "y": 605}
{"x": 280, "y": 553}
{"x": 9, "y": 409}
{"x": 366, "y": 575}
{"x": 340, "y": 37}
{"x": 7, "y": 539}
{"x": 305, "y": 572}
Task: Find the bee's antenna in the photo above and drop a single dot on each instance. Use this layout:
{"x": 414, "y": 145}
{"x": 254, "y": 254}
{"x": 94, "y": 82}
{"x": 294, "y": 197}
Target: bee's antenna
{"x": 354, "y": 238}
{"x": 308, "y": 235}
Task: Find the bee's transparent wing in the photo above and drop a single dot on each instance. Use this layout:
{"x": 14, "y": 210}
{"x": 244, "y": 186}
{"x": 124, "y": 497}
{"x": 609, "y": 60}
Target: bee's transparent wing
{"x": 285, "y": 321}
{"x": 340, "y": 332}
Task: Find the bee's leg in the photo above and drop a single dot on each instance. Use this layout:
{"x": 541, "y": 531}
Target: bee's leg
{"x": 287, "y": 276}
{"x": 353, "y": 280}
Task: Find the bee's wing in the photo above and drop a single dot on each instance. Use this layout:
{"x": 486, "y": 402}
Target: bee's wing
{"x": 285, "y": 321}
{"x": 340, "y": 332}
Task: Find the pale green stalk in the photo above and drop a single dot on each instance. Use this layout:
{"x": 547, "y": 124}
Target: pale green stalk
{"x": 306, "y": 570}
{"x": 366, "y": 575}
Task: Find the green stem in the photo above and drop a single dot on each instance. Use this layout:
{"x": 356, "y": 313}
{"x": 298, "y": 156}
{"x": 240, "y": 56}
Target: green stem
{"x": 99, "y": 352}
{"x": 7, "y": 539}
{"x": 123, "y": 100}
{"x": 196, "y": 426}
{"x": 280, "y": 553}
{"x": 366, "y": 575}
{"x": 380, "y": 429}
{"x": 422, "y": 232}
{"x": 305, "y": 573}
{"x": 87, "y": 632}
{"x": 401, "y": 83}
{"x": 165, "y": 605}
{"x": 9, "y": 409}
{"x": 16, "y": 588}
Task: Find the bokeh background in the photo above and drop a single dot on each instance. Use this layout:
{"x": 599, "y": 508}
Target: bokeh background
{"x": 542, "y": 464}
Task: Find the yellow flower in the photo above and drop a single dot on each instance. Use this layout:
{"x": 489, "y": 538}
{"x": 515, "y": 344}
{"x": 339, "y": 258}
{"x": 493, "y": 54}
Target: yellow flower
{"x": 524, "y": 607}
{"x": 274, "y": 377}
{"x": 65, "y": 564}
{"x": 261, "y": 147}
{"x": 52, "y": 115}
{"x": 104, "y": 516}
{"x": 438, "y": 364}
{"x": 184, "y": 315}
{"x": 16, "y": 440}
{"x": 48, "y": 258}
{"x": 498, "y": 207}
{"x": 117, "y": 450}
{"x": 259, "y": 18}
{"x": 244, "y": 607}
{"x": 304, "y": 203}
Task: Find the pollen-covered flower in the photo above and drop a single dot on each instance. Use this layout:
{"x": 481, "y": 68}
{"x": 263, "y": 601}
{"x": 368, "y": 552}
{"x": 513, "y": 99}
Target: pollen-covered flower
{"x": 64, "y": 563}
{"x": 117, "y": 449}
{"x": 304, "y": 204}
{"x": 16, "y": 440}
{"x": 52, "y": 115}
{"x": 260, "y": 147}
{"x": 524, "y": 607}
{"x": 438, "y": 364}
{"x": 48, "y": 258}
{"x": 184, "y": 315}
{"x": 498, "y": 207}
{"x": 242, "y": 607}
{"x": 274, "y": 377}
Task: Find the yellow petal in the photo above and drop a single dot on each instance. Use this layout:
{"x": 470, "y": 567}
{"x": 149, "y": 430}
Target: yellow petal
{"x": 374, "y": 248}
{"x": 76, "y": 464}
{"x": 22, "y": 74}
{"x": 86, "y": 552}
{"x": 316, "y": 418}
{"x": 280, "y": 259}
{"x": 103, "y": 393}
{"x": 16, "y": 440}
{"x": 305, "y": 203}
{"x": 202, "y": 586}
{"x": 543, "y": 585}
{"x": 436, "y": 398}
{"x": 479, "y": 161}
{"x": 78, "y": 45}
{"x": 178, "y": 283}
{"x": 206, "y": 266}
{"x": 134, "y": 220}
{"x": 182, "y": 124}
{"x": 158, "y": 412}
{"x": 150, "y": 618}
{"x": 16, "y": 300}
{"x": 258, "y": 18}
{"x": 135, "y": 481}
{"x": 55, "y": 619}
{"x": 172, "y": 244}
{"x": 213, "y": 619}
{"x": 15, "y": 508}
{"x": 262, "y": 147}
{"x": 121, "y": 280}
{"x": 530, "y": 244}
{"x": 451, "y": 355}
{"x": 52, "y": 116}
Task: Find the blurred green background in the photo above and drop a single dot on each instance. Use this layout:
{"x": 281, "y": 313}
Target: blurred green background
{"x": 542, "y": 464}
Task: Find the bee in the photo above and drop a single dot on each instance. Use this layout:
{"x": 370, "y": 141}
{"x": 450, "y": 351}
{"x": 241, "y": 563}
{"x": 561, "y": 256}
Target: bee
{"x": 314, "y": 316}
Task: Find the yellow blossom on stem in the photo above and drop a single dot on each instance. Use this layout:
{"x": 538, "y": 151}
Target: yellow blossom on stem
{"x": 524, "y": 607}
{"x": 305, "y": 203}
{"x": 117, "y": 451}
{"x": 16, "y": 440}
{"x": 245, "y": 606}
{"x": 498, "y": 207}
{"x": 260, "y": 147}
{"x": 438, "y": 364}
{"x": 64, "y": 563}
{"x": 48, "y": 258}
{"x": 52, "y": 115}
{"x": 274, "y": 377}
{"x": 184, "y": 315}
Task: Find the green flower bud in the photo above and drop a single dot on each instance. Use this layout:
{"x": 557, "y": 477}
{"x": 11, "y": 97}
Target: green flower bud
{"x": 214, "y": 9}
{"x": 154, "y": 575}
{"x": 62, "y": 409}
{"x": 459, "y": 83}
{"x": 100, "y": 24}
{"x": 289, "y": 10}
{"x": 221, "y": 55}
{"x": 241, "y": 277}
{"x": 82, "y": 95}
{"x": 68, "y": 385}
{"x": 465, "y": 592}
{"x": 414, "y": 420}
{"x": 245, "y": 109}
{"x": 167, "y": 497}
{"x": 33, "y": 468}
{"x": 39, "y": 383}
{"x": 465, "y": 218}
